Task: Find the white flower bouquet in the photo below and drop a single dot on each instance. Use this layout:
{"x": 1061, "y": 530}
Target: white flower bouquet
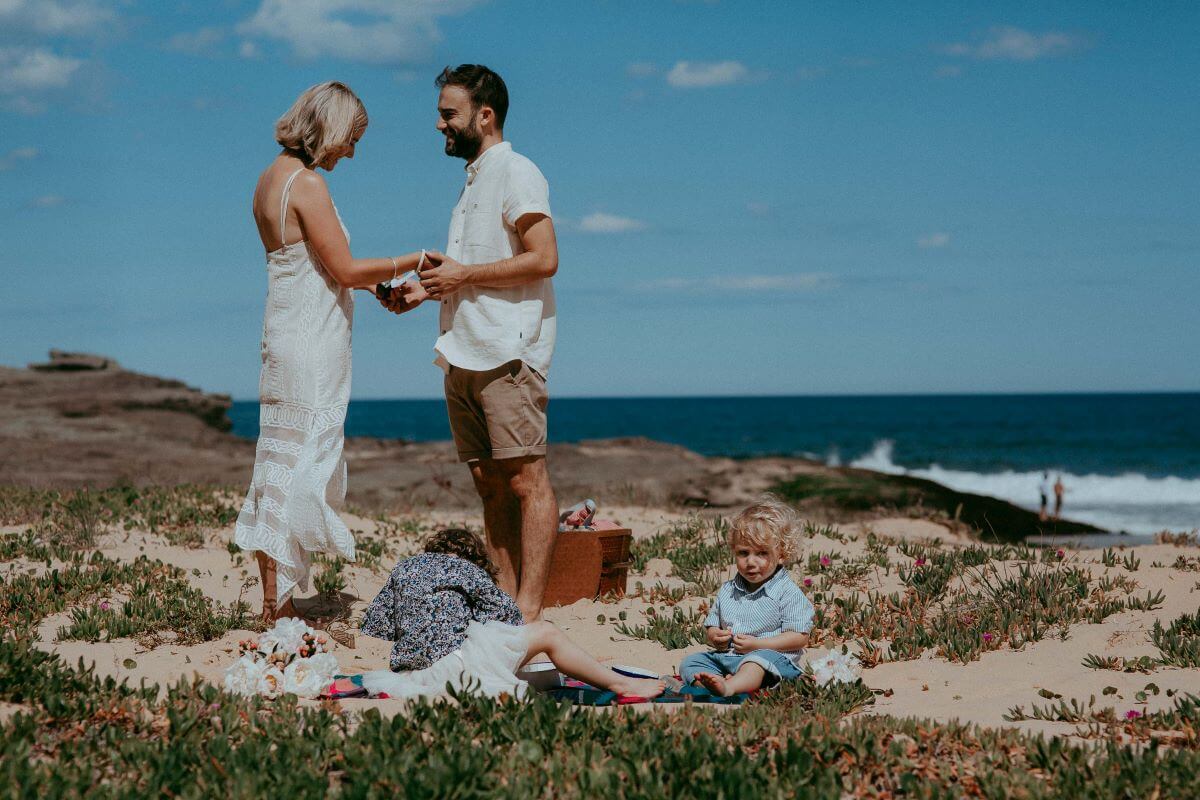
{"x": 835, "y": 666}
{"x": 290, "y": 658}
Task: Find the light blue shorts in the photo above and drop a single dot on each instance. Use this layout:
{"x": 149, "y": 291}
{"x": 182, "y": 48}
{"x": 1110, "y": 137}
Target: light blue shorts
{"x": 778, "y": 666}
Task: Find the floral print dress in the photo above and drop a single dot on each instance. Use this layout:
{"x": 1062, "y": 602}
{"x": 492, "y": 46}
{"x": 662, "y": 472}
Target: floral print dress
{"x": 427, "y": 605}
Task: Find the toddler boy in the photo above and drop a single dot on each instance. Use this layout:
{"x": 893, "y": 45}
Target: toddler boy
{"x": 759, "y": 623}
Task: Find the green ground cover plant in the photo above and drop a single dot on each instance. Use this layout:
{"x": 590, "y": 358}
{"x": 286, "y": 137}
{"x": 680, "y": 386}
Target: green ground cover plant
{"x": 159, "y": 597}
{"x": 1178, "y": 645}
{"x": 963, "y": 601}
{"x": 697, "y": 548}
{"x": 1179, "y": 642}
{"x": 1178, "y": 725}
{"x": 960, "y": 601}
{"x": 681, "y": 629}
{"x": 81, "y": 736}
{"x": 75, "y": 517}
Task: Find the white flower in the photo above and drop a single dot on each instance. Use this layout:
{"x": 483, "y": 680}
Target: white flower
{"x": 300, "y": 678}
{"x": 835, "y": 666}
{"x": 325, "y": 665}
{"x": 287, "y": 635}
{"x": 270, "y": 682}
{"x": 243, "y": 675}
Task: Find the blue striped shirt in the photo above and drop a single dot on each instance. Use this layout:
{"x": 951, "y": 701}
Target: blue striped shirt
{"x": 777, "y": 605}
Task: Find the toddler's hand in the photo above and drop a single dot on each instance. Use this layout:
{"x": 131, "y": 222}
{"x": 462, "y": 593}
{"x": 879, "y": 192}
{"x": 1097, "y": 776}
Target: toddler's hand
{"x": 743, "y": 644}
{"x": 719, "y": 638}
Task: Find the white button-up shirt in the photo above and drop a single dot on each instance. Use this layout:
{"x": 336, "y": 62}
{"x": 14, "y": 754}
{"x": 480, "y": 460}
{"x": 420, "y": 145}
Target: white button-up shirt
{"x": 484, "y": 327}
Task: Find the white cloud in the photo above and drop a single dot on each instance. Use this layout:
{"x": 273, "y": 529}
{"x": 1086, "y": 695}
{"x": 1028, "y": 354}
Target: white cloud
{"x": 600, "y": 222}
{"x": 749, "y": 284}
{"x": 701, "y": 74}
{"x": 56, "y": 17}
{"x": 642, "y": 69}
{"x": 197, "y": 43}
{"x": 933, "y": 240}
{"x": 29, "y": 69}
{"x": 375, "y": 31}
{"x": 47, "y": 201}
{"x": 248, "y": 49}
{"x": 14, "y": 157}
{"x": 1008, "y": 43}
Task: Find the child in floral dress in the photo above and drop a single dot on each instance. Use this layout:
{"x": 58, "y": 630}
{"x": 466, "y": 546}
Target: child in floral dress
{"x": 452, "y": 624}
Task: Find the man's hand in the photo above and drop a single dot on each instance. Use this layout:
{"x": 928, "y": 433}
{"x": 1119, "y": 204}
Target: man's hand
{"x": 405, "y": 297}
{"x": 719, "y": 637}
{"x": 743, "y": 644}
{"x": 444, "y": 278}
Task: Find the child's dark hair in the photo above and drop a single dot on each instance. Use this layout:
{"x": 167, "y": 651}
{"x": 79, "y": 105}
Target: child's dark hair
{"x": 462, "y": 543}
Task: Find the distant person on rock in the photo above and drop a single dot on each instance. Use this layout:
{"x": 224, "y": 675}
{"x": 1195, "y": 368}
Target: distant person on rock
{"x": 1058, "y": 496}
{"x": 1044, "y": 491}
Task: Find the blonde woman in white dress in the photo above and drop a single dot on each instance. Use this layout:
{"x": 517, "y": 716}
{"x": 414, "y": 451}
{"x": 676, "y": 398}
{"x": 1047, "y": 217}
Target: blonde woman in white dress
{"x": 299, "y": 481}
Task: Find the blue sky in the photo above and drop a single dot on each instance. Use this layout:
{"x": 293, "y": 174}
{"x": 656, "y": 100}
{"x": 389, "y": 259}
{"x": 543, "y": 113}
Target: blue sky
{"x": 751, "y": 197}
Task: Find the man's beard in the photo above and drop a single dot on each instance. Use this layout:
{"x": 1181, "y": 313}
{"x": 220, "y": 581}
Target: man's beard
{"x": 465, "y": 143}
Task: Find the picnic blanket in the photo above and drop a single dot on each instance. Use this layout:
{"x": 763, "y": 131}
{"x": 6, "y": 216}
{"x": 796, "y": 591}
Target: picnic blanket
{"x": 581, "y": 694}
{"x": 572, "y": 691}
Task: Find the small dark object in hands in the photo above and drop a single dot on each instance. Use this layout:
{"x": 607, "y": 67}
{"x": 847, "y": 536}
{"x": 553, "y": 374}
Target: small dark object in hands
{"x": 384, "y": 291}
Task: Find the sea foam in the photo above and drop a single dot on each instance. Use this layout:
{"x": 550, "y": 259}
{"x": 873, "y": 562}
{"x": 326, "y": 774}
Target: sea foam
{"x": 1129, "y": 502}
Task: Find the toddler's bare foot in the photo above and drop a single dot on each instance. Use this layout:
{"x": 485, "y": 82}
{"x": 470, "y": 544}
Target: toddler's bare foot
{"x": 638, "y": 687}
{"x": 714, "y": 683}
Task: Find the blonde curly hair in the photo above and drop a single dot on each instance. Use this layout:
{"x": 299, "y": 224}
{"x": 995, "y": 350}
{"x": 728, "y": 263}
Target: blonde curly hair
{"x": 768, "y": 523}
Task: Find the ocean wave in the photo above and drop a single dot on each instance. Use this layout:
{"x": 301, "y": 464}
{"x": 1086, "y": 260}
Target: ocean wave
{"x": 1130, "y": 502}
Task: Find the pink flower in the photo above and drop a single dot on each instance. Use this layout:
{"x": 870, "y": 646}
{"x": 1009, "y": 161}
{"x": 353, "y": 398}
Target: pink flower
{"x": 825, "y": 562}
{"x": 1132, "y": 714}
{"x": 987, "y": 637}
{"x": 920, "y": 562}
{"x": 1060, "y": 554}
{"x": 105, "y": 605}
{"x": 808, "y": 581}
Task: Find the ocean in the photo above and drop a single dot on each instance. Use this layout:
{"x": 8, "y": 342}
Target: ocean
{"x": 1130, "y": 462}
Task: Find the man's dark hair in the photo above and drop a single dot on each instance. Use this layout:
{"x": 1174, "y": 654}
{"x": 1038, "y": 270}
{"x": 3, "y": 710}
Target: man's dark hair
{"x": 485, "y": 87}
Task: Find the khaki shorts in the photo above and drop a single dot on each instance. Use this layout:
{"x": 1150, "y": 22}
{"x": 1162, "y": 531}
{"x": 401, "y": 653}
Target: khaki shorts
{"x": 497, "y": 413}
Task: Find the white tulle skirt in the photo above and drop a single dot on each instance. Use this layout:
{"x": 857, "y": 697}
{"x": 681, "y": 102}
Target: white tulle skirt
{"x": 487, "y": 661}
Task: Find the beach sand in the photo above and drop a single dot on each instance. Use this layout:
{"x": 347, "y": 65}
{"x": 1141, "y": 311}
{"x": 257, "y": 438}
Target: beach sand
{"x": 980, "y": 691}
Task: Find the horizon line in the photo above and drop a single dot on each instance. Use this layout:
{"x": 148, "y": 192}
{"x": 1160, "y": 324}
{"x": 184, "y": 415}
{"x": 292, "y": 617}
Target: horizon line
{"x": 782, "y": 396}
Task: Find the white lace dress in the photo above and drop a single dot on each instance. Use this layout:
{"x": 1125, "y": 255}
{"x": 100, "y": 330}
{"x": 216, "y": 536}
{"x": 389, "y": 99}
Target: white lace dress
{"x": 299, "y": 477}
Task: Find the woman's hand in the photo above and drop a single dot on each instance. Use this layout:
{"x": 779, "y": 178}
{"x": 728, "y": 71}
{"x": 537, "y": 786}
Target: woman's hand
{"x": 406, "y": 297}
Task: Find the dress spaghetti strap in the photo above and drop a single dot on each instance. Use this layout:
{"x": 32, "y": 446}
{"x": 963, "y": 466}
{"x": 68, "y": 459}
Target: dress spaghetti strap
{"x": 283, "y": 201}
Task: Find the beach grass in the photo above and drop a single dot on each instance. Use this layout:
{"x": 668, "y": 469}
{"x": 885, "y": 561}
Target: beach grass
{"x": 68, "y": 731}
{"x": 81, "y": 736}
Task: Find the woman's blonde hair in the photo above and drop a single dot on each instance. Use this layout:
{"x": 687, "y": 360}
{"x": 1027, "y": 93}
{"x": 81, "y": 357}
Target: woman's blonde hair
{"x": 768, "y": 523}
{"x": 324, "y": 118}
